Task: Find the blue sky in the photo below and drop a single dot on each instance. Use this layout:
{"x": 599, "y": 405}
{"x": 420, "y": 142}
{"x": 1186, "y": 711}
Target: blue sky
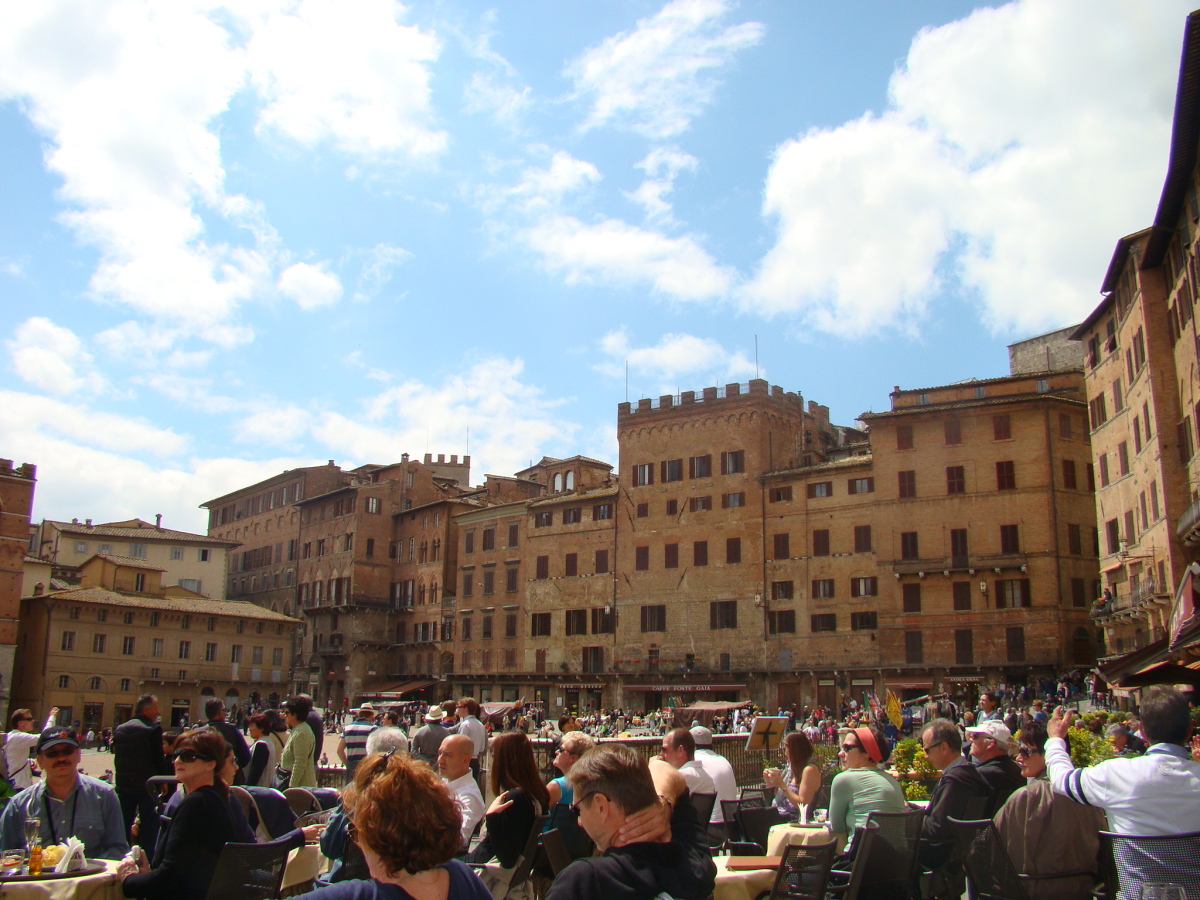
{"x": 240, "y": 237}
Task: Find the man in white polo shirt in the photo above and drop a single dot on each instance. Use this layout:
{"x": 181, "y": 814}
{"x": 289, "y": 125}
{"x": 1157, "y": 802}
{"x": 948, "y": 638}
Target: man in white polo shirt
{"x": 721, "y": 772}
{"x": 1158, "y": 793}
{"x": 679, "y": 749}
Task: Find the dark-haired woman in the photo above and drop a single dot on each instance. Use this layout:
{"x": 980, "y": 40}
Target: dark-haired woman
{"x": 520, "y": 798}
{"x": 862, "y": 787}
{"x": 265, "y": 753}
{"x": 797, "y": 785}
{"x": 405, "y": 821}
{"x": 187, "y": 854}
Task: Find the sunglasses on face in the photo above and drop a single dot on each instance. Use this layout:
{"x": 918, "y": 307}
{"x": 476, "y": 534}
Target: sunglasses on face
{"x": 189, "y": 756}
{"x": 1027, "y": 751}
{"x": 931, "y": 746}
{"x": 575, "y": 805}
{"x": 58, "y": 752}
{"x": 849, "y": 747}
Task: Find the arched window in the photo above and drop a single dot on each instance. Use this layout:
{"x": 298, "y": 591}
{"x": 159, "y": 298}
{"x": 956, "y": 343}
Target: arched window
{"x": 437, "y": 549}
{"x": 433, "y": 591}
{"x": 94, "y": 683}
{"x": 424, "y": 552}
{"x": 571, "y": 480}
{"x": 421, "y": 594}
{"x": 558, "y": 482}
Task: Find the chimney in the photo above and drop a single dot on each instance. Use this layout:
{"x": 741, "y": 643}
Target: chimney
{"x": 157, "y": 521}
{"x": 331, "y": 462}
{"x": 74, "y": 521}
{"x": 88, "y": 523}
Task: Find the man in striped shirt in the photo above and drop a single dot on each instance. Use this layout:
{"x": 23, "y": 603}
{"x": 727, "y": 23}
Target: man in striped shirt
{"x": 352, "y": 748}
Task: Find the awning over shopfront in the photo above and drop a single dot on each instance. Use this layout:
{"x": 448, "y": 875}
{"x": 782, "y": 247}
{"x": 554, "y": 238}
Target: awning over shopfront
{"x": 1113, "y": 668}
{"x": 395, "y": 691}
{"x": 1160, "y": 673}
{"x": 703, "y": 711}
{"x": 1185, "y": 610}
{"x": 685, "y": 688}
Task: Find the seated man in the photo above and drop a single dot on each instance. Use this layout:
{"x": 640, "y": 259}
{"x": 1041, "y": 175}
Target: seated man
{"x": 454, "y": 765}
{"x": 1046, "y": 834}
{"x": 960, "y": 782}
{"x": 721, "y": 772}
{"x": 679, "y": 749}
{"x": 612, "y": 785}
{"x": 1125, "y": 743}
{"x": 67, "y": 803}
{"x": 1158, "y": 793}
{"x": 990, "y": 745}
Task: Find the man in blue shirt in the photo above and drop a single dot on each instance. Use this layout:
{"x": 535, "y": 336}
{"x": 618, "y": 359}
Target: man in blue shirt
{"x": 67, "y": 803}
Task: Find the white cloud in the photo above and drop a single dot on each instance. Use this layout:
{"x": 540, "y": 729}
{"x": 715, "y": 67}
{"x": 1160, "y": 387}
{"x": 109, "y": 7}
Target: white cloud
{"x": 51, "y": 357}
{"x": 277, "y": 426}
{"x": 675, "y": 357}
{"x": 348, "y": 73}
{"x": 614, "y": 252}
{"x": 309, "y": 286}
{"x": 658, "y": 77}
{"x": 606, "y": 250}
{"x": 126, "y": 94}
{"x": 662, "y": 165}
{"x": 56, "y": 419}
{"x": 377, "y": 269}
{"x": 490, "y": 94}
{"x": 509, "y": 420}
{"x": 1020, "y": 143}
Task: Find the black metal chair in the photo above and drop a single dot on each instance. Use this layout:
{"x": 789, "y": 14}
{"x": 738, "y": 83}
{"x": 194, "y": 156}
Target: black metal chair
{"x": 756, "y": 824}
{"x": 756, "y": 796}
{"x": 885, "y": 859}
{"x": 249, "y": 871}
{"x": 804, "y": 872}
{"x": 556, "y": 851}
{"x": 729, "y": 810}
{"x": 704, "y": 804}
{"x": 991, "y": 874}
{"x": 354, "y": 864}
{"x": 1133, "y": 860}
{"x": 524, "y": 866}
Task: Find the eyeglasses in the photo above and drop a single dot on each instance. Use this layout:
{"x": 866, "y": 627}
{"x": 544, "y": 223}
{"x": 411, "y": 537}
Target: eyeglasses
{"x": 575, "y": 805}
{"x": 1027, "y": 751}
{"x": 849, "y": 747}
{"x": 931, "y": 746}
{"x": 58, "y": 752}
{"x": 26, "y": 719}
{"x": 189, "y": 756}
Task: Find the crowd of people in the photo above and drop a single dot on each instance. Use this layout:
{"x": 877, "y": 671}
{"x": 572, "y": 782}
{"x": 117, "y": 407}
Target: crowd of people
{"x": 415, "y": 812}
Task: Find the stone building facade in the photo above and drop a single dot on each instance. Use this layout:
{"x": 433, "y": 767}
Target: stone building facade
{"x": 16, "y": 505}
{"x": 93, "y": 650}
{"x": 1141, "y": 346}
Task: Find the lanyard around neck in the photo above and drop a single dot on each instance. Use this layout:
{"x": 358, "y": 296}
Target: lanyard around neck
{"x": 50, "y": 814}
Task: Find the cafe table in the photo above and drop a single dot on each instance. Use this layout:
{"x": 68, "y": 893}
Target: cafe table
{"x": 741, "y": 884}
{"x": 99, "y": 886}
{"x": 781, "y": 836}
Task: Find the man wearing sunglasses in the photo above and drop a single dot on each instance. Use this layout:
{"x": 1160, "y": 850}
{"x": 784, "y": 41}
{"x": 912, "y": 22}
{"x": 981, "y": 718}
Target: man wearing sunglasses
{"x": 67, "y": 803}
{"x": 21, "y": 739}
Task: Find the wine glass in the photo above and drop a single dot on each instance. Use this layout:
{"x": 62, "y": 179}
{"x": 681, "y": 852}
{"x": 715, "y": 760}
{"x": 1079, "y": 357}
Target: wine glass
{"x": 1163, "y": 891}
{"x": 33, "y": 826}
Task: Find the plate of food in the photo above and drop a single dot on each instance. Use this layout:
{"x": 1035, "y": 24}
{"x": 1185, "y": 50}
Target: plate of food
{"x": 13, "y": 868}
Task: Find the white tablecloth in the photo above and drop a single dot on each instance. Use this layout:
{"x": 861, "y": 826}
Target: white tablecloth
{"x": 743, "y": 884}
{"x": 781, "y": 835}
{"x": 101, "y": 886}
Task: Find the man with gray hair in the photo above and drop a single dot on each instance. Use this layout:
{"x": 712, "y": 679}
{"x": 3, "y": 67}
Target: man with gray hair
{"x": 959, "y": 784}
{"x": 386, "y": 738}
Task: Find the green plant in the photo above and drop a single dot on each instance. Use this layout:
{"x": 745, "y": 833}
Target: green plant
{"x": 904, "y": 755}
{"x": 1087, "y": 749}
{"x": 922, "y": 767}
{"x": 914, "y": 790}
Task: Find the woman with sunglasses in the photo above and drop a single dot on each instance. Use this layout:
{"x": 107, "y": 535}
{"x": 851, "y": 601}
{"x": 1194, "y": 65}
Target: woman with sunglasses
{"x": 797, "y": 785}
{"x": 405, "y": 821}
{"x": 1049, "y": 835}
{"x": 187, "y": 853}
{"x": 862, "y": 787}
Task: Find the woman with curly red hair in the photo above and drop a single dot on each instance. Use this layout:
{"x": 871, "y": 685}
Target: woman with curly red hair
{"x": 405, "y": 821}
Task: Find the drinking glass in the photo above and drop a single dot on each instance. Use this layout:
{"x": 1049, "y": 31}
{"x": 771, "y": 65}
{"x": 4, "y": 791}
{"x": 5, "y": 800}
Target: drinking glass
{"x": 1163, "y": 891}
{"x": 33, "y": 826}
